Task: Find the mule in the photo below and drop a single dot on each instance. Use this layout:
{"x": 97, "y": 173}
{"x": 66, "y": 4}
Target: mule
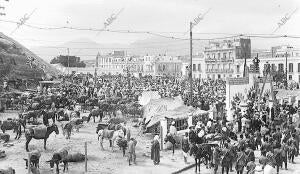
{"x": 95, "y": 113}
{"x": 171, "y": 139}
{"x": 201, "y": 152}
{"x": 11, "y": 125}
{"x": 30, "y": 133}
{"x": 111, "y": 135}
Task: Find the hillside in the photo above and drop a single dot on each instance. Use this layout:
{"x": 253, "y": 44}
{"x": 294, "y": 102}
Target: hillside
{"x": 13, "y": 59}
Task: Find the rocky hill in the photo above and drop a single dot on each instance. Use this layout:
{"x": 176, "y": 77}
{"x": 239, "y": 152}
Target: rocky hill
{"x": 14, "y": 62}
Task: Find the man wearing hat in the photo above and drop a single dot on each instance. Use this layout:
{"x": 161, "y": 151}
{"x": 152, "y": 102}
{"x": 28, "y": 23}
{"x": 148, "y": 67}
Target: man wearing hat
{"x": 173, "y": 130}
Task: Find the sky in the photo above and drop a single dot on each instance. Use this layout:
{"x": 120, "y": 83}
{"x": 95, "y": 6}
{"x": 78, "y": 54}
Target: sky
{"x": 164, "y": 16}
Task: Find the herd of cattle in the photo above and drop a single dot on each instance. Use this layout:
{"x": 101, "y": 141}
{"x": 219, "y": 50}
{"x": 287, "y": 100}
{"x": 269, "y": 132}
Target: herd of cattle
{"x": 37, "y": 110}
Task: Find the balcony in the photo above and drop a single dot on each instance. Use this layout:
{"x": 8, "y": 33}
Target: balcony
{"x": 219, "y": 70}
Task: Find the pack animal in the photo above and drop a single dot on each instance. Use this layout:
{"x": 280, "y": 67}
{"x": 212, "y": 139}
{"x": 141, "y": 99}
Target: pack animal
{"x": 58, "y": 157}
{"x": 32, "y": 133}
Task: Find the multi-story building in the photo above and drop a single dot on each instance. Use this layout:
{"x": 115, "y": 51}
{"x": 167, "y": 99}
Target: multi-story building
{"x": 277, "y": 57}
{"x": 167, "y": 66}
{"x": 220, "y": 57}
{"x": 198, "y": 66}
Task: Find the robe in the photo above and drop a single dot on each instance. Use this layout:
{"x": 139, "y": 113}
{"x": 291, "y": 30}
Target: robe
{"x": 155, "y": 151}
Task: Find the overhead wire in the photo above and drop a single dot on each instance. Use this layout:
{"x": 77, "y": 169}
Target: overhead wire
{"x": 156, "y": 33}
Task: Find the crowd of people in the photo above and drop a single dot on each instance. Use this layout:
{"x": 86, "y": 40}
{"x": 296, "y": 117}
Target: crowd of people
{"x": 274, "y": 131}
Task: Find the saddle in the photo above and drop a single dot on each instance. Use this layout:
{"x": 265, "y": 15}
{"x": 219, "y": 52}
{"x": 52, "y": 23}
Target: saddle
{"x": 40, "y": 131}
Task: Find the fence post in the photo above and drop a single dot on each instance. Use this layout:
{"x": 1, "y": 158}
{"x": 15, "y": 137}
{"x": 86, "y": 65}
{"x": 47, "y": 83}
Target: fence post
{"x": 28, "y": 164}
{"x": 85, "y": 148}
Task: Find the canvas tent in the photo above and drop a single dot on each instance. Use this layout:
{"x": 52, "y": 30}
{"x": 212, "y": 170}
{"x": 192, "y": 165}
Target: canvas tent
{"x": 156, "y": 106}
{"x": 177, "y": 113}
{"x": 147, "y": 96}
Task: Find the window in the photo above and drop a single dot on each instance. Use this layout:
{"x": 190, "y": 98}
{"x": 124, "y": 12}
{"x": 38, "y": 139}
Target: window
{"x": 229, "y": 54}
{"x": 194, "y": 67}
{"x": 298, "y": 67}
{"x": 208, "y": 56}
{"x": 1, "y": 60}
{"x": 290, "y": 67}
{"x": 214, "y": 55}
{"x": 199, "y": 67}
{"x": 273, "y": 67}
{"x": 224, "y": 55}
{"x": 299, "y": 79}
{"x": 290, "y": 77}
{"x": 164, "y": 67}
{"x": 180, "y": 124}
{"x": 280, "y": 66}
{"x": 219, "y": 55}
{"x": 238, "y": 68}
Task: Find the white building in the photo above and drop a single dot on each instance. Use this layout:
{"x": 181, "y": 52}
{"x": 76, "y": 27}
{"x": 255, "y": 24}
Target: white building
{"x": 220, "y": 57}
{"x": 277, "y": 59}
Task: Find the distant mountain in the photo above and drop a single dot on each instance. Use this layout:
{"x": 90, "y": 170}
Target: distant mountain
{"x": 14, "y": 58}
{"x": 84, "y": 48}
{"x": 168, "y": 46}
{"x": 87, "y": 49}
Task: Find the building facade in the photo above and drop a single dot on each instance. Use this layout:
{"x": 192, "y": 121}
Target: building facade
{"x": 167, "y": 66}
{"x": 221, "y": 57}
{"x": 276, "y": 57}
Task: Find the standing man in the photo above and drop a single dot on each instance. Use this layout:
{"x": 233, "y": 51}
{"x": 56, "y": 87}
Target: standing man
{"x": 185, "y": 146}
{"x": 131, "y": 150}
{"x": 155, "y": 150}
{"x": 173, "y": 130}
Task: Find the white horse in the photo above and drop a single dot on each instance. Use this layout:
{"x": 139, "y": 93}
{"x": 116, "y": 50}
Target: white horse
{"x": 111, "y": 135}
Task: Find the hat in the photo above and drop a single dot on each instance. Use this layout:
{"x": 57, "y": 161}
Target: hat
{"x": 173, "y": 122}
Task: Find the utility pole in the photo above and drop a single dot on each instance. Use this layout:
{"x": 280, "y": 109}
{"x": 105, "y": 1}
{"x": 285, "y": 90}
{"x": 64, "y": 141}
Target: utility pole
{"x": 286, "y": 64}
{"x": 191, "y": 64}
{"x": 68, "y": 60}
{"x": 245, "y": 66}
{"x": 286, "y": 73}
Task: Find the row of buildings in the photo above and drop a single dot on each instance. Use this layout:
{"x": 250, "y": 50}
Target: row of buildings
{"x": 219, "y": 60}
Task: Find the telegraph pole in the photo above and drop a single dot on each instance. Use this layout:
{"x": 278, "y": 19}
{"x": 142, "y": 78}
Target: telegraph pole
{"x": 286, "y": 73}
{"x": 68, "y": 60}
{"x": 191, "y": 64}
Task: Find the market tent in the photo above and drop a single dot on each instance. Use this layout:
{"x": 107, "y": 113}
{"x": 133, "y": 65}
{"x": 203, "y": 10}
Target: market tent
{"x": 200, "y": 112}
{"x": 147, "y": 96}
{"x": 177, "y": 113}
{"x": 156, "y": 106}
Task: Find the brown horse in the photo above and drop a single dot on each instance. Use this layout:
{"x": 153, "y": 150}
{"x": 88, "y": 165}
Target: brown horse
{"x": 31, "y": 133}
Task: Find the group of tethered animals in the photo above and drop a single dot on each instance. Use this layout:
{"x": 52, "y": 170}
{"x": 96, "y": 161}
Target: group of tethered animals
{"x": 61, "y": 108}
{"x": 202, "y": 150}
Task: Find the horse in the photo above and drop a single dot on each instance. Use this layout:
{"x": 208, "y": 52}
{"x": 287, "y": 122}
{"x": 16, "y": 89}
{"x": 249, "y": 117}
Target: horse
{"x": 201, "y": 152}
{"x": 67, "y": 129}
{"x": 32, "y": 133}
{"x": 111, "y": 135}
{"x": 11, "y": 125}
{"x": 171, "y": 139}
{"x": 30, "y": 114}
{"x": 50, "y": 114}
{"x": 95, "y": 113}
{"x": 58, "y": 157}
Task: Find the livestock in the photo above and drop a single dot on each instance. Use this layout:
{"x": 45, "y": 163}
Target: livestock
{"x": 171, "y": 139}
{"x": 67, "y": 129}
{"x": 57, "y": 157}
{"x": 32, "y": 133}
{"x": 11, "y": 125}
{"x": 8, "y": 170}
{"x": 34, "y": 159}
{"x": 5, "y": 137}
{"x": 96, "y": 113}
{"x": 201, "y": 151}
{"x": 110, "y": 135}
{"x": 75, "y": 157}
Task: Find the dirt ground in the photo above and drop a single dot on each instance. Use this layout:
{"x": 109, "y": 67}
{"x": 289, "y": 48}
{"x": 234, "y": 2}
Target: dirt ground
{"x": 104, "y": 162}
